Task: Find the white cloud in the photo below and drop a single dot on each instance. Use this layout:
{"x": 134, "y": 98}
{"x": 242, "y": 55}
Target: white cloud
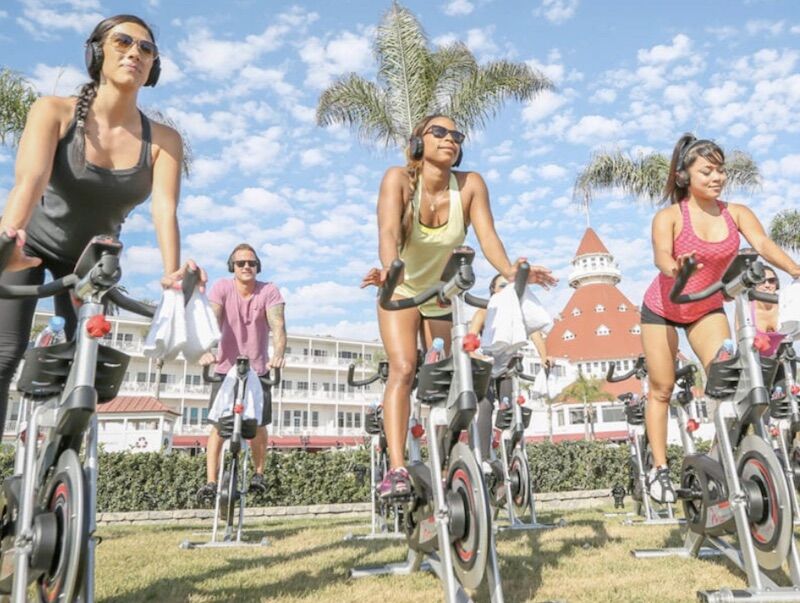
{"x": 681, "y": 47}
{"x": 594, "y": 129}
{"x": 219, "y": 125}
{"x": 458, "y": 7}
{"x": 557, "y": 11}
{"x": 142, "y": 260}
{"x": 206, "y": 170}
{"x": 480, "y": 42}
{"x": 293, "y": 228}
{"x": 258, "y": 200}
{"x": 42, "y": 17}
{"x": 170, "y": 72}
{"x": 604, "y": 95}
{"x": 324, "y": 299}
{"x": 259, "y": 152}
{"x": 543, "y": 105}
{"x": 312, "y": 158}
{"x": 759, "y": 26}
{"x": 785, "y": 167}
{"x": 60, "y": 80}
{"x": 761, "y": 142}
{"x": 521, "y": 174}
{"x": 551, "y": 171}
{"x": 724, "y": 94}
{"x": 328, "y": 60}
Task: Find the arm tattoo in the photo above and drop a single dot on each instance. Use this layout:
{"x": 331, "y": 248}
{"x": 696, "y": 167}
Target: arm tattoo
{"x": 278, "y": 327}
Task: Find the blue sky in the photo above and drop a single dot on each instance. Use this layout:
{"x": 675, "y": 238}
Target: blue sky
{"x": 242, "y": 78}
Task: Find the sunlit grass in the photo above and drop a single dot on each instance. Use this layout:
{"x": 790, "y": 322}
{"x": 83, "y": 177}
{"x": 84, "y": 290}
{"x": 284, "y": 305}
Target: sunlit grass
{"x": 588, "y": 560}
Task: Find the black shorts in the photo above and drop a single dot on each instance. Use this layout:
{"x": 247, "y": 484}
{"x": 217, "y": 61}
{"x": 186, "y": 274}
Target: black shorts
{"x": 448, "y": 317}
{"x": 651, "y": 318}
{"x": 266, "y": 416}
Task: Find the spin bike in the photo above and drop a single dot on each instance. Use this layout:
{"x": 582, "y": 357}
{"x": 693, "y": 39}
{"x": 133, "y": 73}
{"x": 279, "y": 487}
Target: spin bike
{"x": 48, "y": 505}
{"x": 446, "y": 516}
{"x": 382, "y": 514}
{"x": 236, "y": 431}
{"x": 510, "y": 485}
{"x": 784, "y": 412}
{"x": 641, "y": 458}
{"x": 739, "y": 487}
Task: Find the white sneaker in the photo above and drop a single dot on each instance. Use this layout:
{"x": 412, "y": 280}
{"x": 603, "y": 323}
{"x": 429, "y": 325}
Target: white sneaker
{"x": 659, "y": 485}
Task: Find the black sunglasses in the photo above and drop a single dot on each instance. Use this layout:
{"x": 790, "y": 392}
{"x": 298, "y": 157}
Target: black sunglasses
{"x": 243, "y": 263}
{"x": 441, "y": 132}
{"x": 771, "y": 280}
{"x": 122, "y": 42}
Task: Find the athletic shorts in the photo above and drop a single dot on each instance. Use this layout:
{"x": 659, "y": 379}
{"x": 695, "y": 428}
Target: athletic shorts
{"x": 651, "y": 318}
{"x": 266, "y": 416}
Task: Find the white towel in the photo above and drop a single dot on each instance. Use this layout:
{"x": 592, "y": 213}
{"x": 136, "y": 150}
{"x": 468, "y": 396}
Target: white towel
{"x": 168, "y": 329}
{"x": 202, "y": 327}
{"x": 535, "y": 317}
{"x": 504, "y": 331}
{"x": 225, "y": 399}
{"x": 177, "y": 327}
{"x": 789, "y": 310}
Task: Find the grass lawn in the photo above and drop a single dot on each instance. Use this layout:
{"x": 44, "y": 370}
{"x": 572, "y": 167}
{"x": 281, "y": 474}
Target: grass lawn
{"x": 588, "y": 560}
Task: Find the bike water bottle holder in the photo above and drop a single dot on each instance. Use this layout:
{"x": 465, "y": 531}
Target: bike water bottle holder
{"x": 46, "y": 370}
{"x": 435, "y": 377}
{"x": 723, "y": 377}
{"x": 373, "y": 423}
{"x": 634, "y": 412}
{"x": 225, "y": 427}
{"x": 527, "y": 413}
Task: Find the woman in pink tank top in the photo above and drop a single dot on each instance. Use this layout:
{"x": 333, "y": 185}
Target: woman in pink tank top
{"x": 696, "y": 224}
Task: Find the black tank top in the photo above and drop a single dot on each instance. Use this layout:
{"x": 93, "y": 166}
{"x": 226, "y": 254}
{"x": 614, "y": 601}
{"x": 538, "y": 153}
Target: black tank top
{"x": 81, "y": 203}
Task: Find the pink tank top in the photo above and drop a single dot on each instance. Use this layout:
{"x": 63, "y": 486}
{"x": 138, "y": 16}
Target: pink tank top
{"x": 715, "y": 258}
{"x": 775, "y": 339}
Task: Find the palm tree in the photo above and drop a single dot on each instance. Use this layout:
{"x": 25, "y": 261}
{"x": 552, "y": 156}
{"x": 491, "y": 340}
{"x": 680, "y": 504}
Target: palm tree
{"x": 785, "y": 229}
{"x": 586, "y": 391}
{"x": 646, "y": 175}
{"x": 414, "y": 81}
{"x": 16, "y": 97}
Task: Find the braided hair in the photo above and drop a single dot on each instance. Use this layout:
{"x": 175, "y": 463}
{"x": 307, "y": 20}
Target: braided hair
{"x": 88, "y": 91}
{"x": 413, "y": 169}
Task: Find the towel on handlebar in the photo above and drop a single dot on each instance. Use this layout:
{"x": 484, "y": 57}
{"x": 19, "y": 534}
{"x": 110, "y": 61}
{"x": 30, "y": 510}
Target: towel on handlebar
{"x": 509, "y": 322}
{"x": 226, "y": 397}
{"x": 177, "y": 327}
{"x": 789, "y": 310}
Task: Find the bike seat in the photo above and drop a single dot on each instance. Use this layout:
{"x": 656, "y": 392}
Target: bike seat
{"x": 46, "y": 370}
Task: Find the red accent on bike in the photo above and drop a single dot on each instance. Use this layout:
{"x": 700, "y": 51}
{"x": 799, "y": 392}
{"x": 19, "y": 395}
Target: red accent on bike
{"x": 521, "y": 400}
{"x": 471, "y": 342}
{"x": 97, "y": 326}
{"x": 692, "y": 425}
{"x": 796, "y": 390}
{"x": 774, "y": 431}
{"x": 761, "y": 343}
{"x": 238, "y": 408}
{"x": 417, "y": 431}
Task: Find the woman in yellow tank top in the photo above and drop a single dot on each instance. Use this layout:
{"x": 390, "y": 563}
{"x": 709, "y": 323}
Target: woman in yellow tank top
{"x": 423, "y": 213}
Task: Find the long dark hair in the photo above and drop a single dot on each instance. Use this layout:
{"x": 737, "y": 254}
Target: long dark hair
{"x": 88, "y": 91}
{"x": 687, "y": 150}
{"x": 413, "y": 168}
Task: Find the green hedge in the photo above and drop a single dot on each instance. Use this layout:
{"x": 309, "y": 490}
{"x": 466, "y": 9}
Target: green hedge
{"x": 153, "y": 481}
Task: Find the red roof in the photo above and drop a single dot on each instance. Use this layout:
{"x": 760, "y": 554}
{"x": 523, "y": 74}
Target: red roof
{"x": 586, "y": 343}
{"x": 590, "y": 243}
{"x": 134, "y": 404}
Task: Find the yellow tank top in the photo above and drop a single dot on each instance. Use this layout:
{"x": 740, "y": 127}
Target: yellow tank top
{"x": 429, "y": 248}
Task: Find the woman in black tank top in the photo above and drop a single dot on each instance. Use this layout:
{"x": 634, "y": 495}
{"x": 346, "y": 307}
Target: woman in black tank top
{"x": 83, "y": 164}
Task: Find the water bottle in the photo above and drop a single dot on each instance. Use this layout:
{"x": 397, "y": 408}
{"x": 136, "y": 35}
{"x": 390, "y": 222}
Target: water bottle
{"x": 777, "y": 393}
{"x": 52, "y": 334}
{"x": 504, "y": 403}
{"x": 725, "y": 351}
{"x": 436, "y": 351}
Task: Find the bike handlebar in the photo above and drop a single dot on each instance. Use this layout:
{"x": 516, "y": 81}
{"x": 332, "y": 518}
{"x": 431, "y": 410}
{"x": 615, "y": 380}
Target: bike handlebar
{"x": 352, "y": 382}
{"x": 750, "y": 277}
{"x": 65, "y": 283}
{"x": 7, "y": 245}
{"x": 208, "y": 377}
{"x": 638, "y": 366}
{"x": 126, "y": 303}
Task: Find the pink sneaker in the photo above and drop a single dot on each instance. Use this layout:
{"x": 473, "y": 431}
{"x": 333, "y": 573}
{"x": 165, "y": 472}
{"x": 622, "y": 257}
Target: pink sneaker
{"x": 396, "y": 484}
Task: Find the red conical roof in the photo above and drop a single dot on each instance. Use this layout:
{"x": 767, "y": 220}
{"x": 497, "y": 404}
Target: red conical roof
{"x": 590, "y": 243}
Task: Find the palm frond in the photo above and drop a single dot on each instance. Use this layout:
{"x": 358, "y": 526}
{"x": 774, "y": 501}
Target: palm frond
{"x": 785, "y": 229}
{"x": 188, "y": 154}
{"x": 404, "y": 66}
{"x": 16, "y": 97}
{"x": 743, "y": 173}
{"x": 450, "y": 66}
{"x": 480, "y": 97}
{"x": 646, "y": 176}
{"x": 641, "y": 177}
{"x": 359, "y": 103}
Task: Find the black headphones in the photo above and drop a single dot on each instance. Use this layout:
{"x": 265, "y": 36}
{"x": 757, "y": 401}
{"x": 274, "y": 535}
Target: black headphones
{"x": 681, "y": 174}
{"x": 416, "y": 149}
{"x": 233, "y": 253}
{"x": 93, "y": 56}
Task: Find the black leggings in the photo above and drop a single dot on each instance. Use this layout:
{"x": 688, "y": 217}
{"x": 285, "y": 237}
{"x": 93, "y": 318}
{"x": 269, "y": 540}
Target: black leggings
{"x": 16, "y": 319}
{"x": 485, "y": 408}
